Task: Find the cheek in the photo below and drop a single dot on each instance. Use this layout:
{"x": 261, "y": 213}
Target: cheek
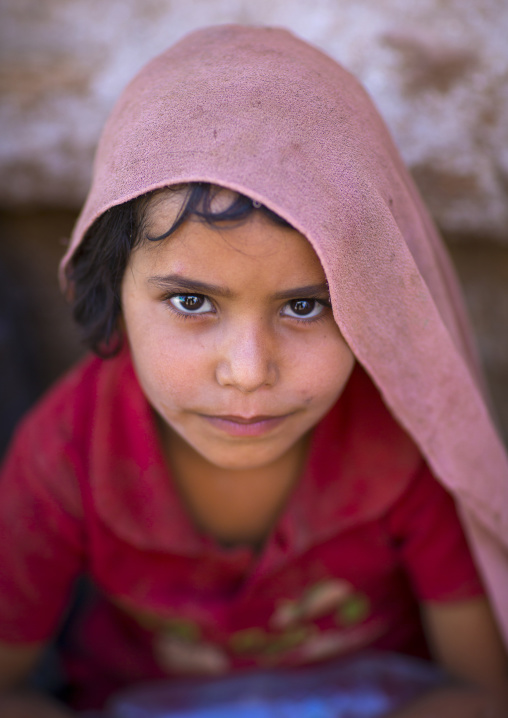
{"x": 169, "y": 368}
{"x": 171, "y": 371}
{"x": 325, "y": 370}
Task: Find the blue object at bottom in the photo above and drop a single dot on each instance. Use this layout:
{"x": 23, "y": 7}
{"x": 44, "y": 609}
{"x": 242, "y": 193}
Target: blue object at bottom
{"x": 367, "y": 686}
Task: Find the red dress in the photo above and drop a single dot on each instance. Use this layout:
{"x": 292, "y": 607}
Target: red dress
{"x": 367, "y": 534}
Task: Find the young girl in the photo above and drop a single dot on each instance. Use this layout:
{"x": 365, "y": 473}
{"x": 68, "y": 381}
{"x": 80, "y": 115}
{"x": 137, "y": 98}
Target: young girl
{"x": 259, "y": 470}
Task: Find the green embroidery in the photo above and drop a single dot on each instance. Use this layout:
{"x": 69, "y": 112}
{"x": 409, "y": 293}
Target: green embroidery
{"x": 250, "y": 640}
{"x": 287, "y": 640}
{"x": 183, "y": 629}
{"x": 353, "y": 610}
{"x": 257, "y": 641}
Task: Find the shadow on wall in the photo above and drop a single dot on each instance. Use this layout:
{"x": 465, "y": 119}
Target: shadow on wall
{"x": 20, "y": 374}
{"x": 38, "y": 340}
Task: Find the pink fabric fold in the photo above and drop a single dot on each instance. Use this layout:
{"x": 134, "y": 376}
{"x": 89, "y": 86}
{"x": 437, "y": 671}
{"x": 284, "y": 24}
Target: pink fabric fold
{"x": 259, "y": 111}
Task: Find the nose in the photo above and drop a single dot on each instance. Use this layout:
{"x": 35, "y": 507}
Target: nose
{"x": 247, "y": 359}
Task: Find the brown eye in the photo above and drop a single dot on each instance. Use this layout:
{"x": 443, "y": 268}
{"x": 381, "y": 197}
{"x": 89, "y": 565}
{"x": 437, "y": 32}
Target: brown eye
{"x": 191, "y": 303}
{"x": 303, "y": 308}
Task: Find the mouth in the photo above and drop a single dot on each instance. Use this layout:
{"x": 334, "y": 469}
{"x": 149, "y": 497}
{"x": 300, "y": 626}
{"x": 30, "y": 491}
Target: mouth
{"x": 245, "y": 426}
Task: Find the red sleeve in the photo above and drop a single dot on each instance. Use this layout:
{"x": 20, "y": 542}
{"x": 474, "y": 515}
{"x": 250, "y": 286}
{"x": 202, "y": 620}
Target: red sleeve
{"x": 40, "y": 534}
{"x": 433, "y": 547}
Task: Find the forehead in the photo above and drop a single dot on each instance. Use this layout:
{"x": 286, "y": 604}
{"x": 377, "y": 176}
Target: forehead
{"x": 227, "y": 249}
{"x": 164, "y": 206}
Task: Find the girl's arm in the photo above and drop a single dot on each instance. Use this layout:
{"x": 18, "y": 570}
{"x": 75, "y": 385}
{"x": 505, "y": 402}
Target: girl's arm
{"x": 16, "y": 663}
{"x": 465, "y": 641}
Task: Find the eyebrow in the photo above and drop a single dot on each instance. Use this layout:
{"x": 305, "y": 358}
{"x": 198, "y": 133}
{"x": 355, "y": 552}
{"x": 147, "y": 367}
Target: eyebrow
{"x": 309, "y": 291}
{"x": 177, "y": 283}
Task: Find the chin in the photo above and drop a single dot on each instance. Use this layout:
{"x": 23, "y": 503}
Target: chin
{"x": 246, "y": 454}
{"x": 233, "y": 461}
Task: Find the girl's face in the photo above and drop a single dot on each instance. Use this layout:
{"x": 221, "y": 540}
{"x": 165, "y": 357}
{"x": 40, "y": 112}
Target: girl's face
{"x": 232, "y": 335}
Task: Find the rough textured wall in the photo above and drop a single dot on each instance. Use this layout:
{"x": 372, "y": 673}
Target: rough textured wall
{"x": 436, "y": 68}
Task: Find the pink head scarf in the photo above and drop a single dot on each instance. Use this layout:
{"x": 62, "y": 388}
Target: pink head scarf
{"x": 261, "y": 112}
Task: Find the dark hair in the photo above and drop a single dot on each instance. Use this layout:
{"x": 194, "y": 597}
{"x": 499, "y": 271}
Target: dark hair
{"x": 96, "y": 269}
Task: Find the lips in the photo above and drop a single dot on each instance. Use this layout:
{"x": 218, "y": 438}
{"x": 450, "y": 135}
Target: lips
{"x": 243, "y": 426}
{"x": 247, "y": 420}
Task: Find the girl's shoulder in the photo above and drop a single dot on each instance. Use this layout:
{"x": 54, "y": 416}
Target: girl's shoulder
{"x": 53, "y": 454}
{"x": 67, "y": 412}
